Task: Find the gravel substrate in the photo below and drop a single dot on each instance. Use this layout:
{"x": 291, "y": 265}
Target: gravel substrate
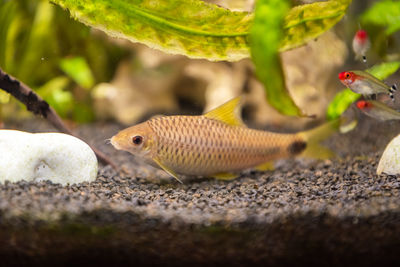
{"x": 305, "y": 212}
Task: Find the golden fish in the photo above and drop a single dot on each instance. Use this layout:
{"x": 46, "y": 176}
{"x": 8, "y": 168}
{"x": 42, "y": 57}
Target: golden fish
{"x": 216, "y": 144}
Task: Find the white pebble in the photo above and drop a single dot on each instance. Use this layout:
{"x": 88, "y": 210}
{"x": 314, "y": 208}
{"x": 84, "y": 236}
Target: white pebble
{"x": 390, "y": 160}
{"x": 57, "y": 157}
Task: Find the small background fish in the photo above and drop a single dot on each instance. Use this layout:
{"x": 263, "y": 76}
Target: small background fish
{"x": 361, "y": 45}
{"x": 377, "y": 110}
{"x": 362, "y": 82}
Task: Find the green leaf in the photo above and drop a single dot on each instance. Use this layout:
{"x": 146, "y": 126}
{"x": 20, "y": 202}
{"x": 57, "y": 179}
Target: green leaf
{"x": 307, "y": 22}
{"x": 384, "y": 13}
{"x": 190, "y": 27}
{"x": 346, "y": 97}
{"x": 78, "y": 69}
{"x": 274, "y": 29}
{"x": 198, "y": 29}
{"x": 53, "y": 92}
{"x": 384, "y": 70}
{"x": 265, "y": 37}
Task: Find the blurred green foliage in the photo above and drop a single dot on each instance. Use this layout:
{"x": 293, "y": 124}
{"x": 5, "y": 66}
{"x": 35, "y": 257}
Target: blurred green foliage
{"x": 384, "y": 13}
{"x": 41, "y": 46}
{"x": 78, "y": 69}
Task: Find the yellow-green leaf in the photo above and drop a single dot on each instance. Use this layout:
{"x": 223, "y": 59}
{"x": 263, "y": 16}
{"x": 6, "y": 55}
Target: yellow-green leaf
{"x": 384, "y": 13}
{"x": 189, "y": 27}
{"x": 346, "y": 97}
{"x": 307, "y": 22}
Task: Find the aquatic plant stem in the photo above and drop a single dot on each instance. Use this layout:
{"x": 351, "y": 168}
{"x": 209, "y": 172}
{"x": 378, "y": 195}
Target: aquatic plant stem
{"x": 39, "y": 106}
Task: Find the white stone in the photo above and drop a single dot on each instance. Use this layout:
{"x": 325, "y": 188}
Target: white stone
{"x": 57, "y": 157}
{"x": 390, "y": 160}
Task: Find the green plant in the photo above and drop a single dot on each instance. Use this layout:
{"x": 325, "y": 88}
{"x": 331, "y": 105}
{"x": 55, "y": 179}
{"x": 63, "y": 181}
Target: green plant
{"x": 202, "y": 30}
{"x": 44, "y": 48}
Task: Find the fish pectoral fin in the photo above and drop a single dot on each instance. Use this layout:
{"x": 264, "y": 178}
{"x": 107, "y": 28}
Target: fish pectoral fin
{"x": 267, "y": 166}
{"x": 228, "y": 112}
{"x": 167, "y": 170}
{"x": 225, "y": 176}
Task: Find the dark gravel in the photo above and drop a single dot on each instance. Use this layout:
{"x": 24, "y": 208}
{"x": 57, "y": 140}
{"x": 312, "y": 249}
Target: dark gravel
{"x": 305, "y": 212}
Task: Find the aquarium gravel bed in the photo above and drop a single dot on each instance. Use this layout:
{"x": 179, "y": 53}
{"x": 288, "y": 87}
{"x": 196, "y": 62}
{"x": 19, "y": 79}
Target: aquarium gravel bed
{"x": 307, "y": 212}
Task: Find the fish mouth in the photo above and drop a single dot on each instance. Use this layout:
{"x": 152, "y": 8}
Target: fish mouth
{"x": 115, "y": 144}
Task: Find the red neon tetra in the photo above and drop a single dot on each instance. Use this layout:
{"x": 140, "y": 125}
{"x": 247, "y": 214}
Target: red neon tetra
{"x": 362, "y": 82}
{"x": 361, "y": 44}
{"x": 362, "y": 104}
{"x": 377, "y": 110}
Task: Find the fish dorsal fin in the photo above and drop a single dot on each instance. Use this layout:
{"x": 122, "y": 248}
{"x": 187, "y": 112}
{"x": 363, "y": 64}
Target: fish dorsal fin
{"x": 228, "y": 112}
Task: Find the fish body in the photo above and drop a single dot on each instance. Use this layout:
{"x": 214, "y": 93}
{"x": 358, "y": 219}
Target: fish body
{"x": 377, "y": 110}
{"x": 361, "y": 45}
{"x": 216, "y": 144}
{"x": 362, "y": 82}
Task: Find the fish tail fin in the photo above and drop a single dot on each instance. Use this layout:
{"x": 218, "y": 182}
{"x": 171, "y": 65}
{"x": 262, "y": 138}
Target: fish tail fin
{"x": 392, "y": 89}
{"x": 364, "y": 58}
{"x": 316, "y": 135}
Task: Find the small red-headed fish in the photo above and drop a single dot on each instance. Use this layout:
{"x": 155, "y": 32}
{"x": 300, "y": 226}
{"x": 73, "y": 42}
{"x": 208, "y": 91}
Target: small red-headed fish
{"x": 377, "y": 110}
{"x": 362, "y": 82}
{"x": 361, "y": 44}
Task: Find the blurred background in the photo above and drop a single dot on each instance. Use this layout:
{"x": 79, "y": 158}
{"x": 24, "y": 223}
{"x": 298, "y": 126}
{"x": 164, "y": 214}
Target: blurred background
{"x": 87, "y": 76}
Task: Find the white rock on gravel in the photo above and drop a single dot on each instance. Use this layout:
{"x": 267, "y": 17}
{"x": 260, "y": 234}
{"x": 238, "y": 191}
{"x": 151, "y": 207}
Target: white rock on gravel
{"x": 390, "y": 160}
{"x": 57, "y": 157}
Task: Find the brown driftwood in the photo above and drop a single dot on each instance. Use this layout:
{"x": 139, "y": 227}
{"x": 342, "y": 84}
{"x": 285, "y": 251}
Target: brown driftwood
{"x": 38, "y": 106}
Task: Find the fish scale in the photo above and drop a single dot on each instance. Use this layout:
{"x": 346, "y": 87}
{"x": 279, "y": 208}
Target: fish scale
{"x": 198, "y": 145}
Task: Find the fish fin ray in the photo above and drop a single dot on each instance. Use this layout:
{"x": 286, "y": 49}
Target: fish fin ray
{"x": 314, "y": 136}
{"x": 225, "y": 176}
{"x": 267, "y": 166}
{"x": 167, "y": 170}
{"x": 228, "y": 112}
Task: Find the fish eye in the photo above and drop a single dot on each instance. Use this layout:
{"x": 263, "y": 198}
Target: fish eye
{"x": 137, "y": 140}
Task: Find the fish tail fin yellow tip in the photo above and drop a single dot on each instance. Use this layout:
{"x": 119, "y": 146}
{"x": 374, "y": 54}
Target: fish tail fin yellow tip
{"x": 313, "y": 138}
